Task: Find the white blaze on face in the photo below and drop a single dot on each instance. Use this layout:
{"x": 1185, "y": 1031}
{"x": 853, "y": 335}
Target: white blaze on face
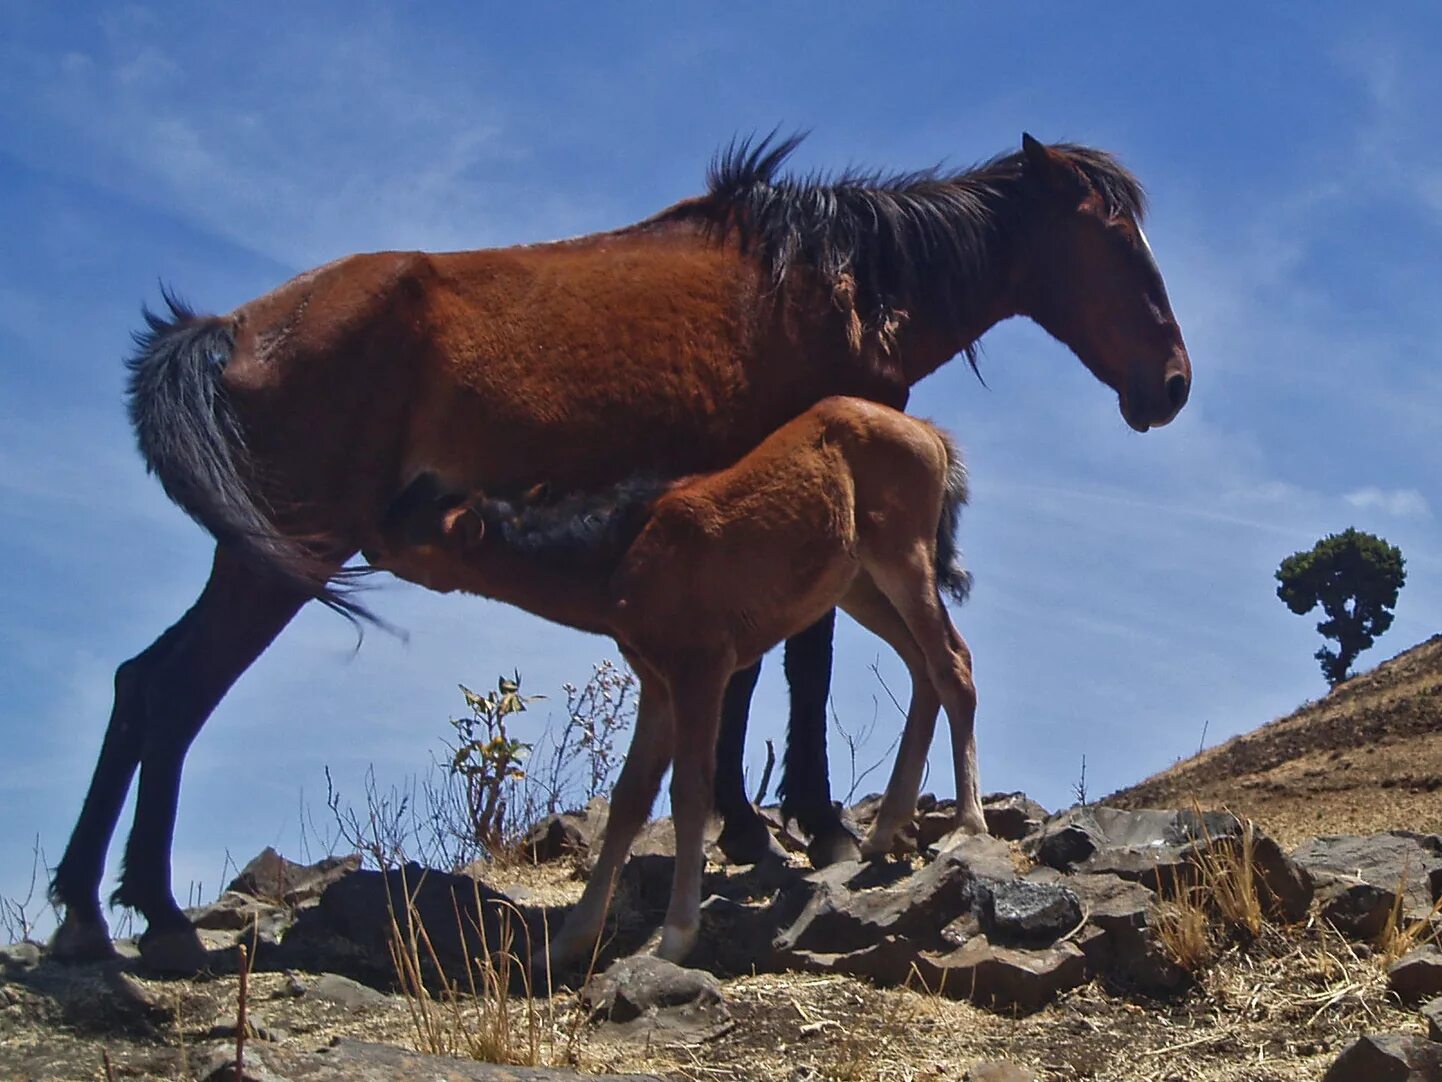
{"x": 1146, "y": 244}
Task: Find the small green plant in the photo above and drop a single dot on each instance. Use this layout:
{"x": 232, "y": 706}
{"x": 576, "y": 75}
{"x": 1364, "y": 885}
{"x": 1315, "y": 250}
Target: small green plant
{"x": 488, "y": 760}
{"x": 1355, "y": 577}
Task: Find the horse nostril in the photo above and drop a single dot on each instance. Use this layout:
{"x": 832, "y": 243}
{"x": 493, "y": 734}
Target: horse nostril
{"x": 1178, "y": 387}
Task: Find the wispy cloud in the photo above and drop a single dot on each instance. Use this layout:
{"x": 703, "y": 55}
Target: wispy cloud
{"x": 1399, "y": 502}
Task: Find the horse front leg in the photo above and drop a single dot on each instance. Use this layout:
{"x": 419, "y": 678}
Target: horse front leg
{"x": 631, "y": 799}
{"x": 163, "y": 698}
{"x": 806, "y": 779}
{"x": 745, "y": 837}
{"x": 696, "y": 697}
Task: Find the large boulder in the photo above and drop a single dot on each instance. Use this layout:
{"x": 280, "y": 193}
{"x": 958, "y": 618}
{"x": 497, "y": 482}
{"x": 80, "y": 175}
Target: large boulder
{"x": 1163, "y": 847}
{"x": 1388, "y": 1057}
{"x": 1002, "y": 977}
{"x": 1385, "y": 861}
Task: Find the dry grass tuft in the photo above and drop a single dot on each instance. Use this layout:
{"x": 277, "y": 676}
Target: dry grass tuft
{"x": 1212, "y": 903}
{"x": 1399, "y": 936}
{"x": 477, "y": 1018}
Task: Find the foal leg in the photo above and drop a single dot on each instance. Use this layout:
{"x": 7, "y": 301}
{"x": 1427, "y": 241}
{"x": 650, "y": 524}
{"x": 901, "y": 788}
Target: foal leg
{"x": 806, "y": 783}
{"x": 696, "y": 707}
{"x": 745, "y": 838}
{"x": 869, "y": 607}
{"x": 238, "y": 614}
{"x": 631, "y": 800}
{"x": 910, "y": 585}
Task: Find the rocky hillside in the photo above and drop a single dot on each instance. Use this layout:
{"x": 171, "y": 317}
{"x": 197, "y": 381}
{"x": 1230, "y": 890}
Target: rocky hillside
{"x": 1367, "y": 757}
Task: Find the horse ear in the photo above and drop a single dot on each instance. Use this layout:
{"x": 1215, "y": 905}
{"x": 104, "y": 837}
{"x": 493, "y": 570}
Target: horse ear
{"x": 1051, "y": 166}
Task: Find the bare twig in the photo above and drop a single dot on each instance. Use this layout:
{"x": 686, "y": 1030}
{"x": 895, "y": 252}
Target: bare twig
{"x": 766, "y": 773}
{"x": 241, "y": 1021}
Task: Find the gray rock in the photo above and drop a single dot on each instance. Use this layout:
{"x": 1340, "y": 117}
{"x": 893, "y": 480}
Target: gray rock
{"x": 1121, "y": 911}
{"x": 844, "y": 912}
{"x": 1432, "y": 1012}
{"x": 1002, "y": 977}
{"x": 463, "y": 919}
{"x": 1387, "y": 1057}
{"x": 344, "y": 992}
{"x": 1417, "y": 975}
{"x": 1152, "y": 847}
{"x": 889, "y": 961}
{"x": 1012, "y": 816}
{"x": 1033, "y": 913}
{"x": 20, "y": 957}
{"x": 349, "y": 1060}
{"x": 642, "y": 984}
{"x": 1356, "y": 909}
{"x": 568, "y": 833}
{"x": 1382, "y": 860}
{"x": 271, "y": 878}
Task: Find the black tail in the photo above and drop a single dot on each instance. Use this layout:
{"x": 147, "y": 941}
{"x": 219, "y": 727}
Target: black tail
{"x": 951, "y": 577}
{"x": 191, "y": 439}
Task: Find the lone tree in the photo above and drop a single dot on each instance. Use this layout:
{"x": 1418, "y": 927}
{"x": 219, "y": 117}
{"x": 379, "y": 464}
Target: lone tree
{"x": 1355, "y": 577}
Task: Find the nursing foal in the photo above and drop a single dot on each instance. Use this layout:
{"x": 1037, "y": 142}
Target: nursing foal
{"x": 852, "y": 503}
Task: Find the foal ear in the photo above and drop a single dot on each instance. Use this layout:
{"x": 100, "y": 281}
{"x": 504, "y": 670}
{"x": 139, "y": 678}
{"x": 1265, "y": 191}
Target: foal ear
{"x": 1052, "y": 167}
{"x": 462, "y": 524}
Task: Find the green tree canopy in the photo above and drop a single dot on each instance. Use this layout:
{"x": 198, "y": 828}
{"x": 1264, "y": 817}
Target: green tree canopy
{"x": 1355, "y": 577}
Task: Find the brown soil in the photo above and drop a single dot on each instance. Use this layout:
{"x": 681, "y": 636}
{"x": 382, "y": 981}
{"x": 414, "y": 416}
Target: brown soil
{"x": 1366, "y": 758}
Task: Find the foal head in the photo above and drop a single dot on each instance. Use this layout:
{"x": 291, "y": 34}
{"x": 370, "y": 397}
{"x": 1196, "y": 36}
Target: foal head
{"x": 1086, "y": 274}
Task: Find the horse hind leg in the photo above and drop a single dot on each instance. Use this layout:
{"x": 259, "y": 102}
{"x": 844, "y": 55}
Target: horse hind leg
{"x": 163, "y": 698}
{"x": 869, "y": 607}
{"x": 83, "y": 934}
{"x": 910, "y": 585}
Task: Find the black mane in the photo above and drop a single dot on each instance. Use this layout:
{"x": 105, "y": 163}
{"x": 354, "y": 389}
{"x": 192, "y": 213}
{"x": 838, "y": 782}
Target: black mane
{"x": 906, "y": 240}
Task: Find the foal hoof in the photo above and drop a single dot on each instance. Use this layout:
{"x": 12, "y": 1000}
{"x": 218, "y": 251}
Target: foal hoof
{"x": 174, "y": 952}
{"x": 81, "y": 941}
{"x": 746, "y": 840}
{"x": 833, "y": 847}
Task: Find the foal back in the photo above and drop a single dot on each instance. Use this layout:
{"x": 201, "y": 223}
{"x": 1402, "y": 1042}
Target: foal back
{"x": 757, "y": 552}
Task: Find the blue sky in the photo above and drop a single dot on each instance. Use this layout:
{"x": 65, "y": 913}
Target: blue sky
{"x": 1124, "y": 597}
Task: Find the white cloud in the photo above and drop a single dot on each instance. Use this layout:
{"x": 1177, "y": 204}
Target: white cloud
{"x": 1399, "y": 502}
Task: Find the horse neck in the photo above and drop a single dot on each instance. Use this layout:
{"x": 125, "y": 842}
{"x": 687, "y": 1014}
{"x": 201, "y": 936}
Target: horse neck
{"x": 931, "y": 336}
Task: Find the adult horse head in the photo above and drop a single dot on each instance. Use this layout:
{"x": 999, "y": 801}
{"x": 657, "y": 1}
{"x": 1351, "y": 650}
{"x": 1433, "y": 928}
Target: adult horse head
{"x": 1086, "y": 274}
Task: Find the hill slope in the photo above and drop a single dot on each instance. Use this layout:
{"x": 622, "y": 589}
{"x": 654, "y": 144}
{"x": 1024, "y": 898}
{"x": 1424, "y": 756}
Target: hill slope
{"x": 1365, "y": 758}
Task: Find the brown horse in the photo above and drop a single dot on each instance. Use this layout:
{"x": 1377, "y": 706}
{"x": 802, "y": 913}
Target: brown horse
{"x": 289, "y": 426}
{"x": 851, "y": 504}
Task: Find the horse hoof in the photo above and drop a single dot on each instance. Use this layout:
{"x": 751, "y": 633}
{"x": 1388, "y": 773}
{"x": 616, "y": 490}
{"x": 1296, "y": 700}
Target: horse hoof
{"x": 833, "y": 847}
{"x": 175, "y": 951}
{"x": 81, "y": 941}
{"x": 746, "y": 842}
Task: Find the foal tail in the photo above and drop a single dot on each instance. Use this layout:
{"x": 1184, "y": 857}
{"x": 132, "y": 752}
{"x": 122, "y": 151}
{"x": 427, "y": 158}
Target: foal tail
{"x": 951, "y": 577}
{"x": 191, "y": 438}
